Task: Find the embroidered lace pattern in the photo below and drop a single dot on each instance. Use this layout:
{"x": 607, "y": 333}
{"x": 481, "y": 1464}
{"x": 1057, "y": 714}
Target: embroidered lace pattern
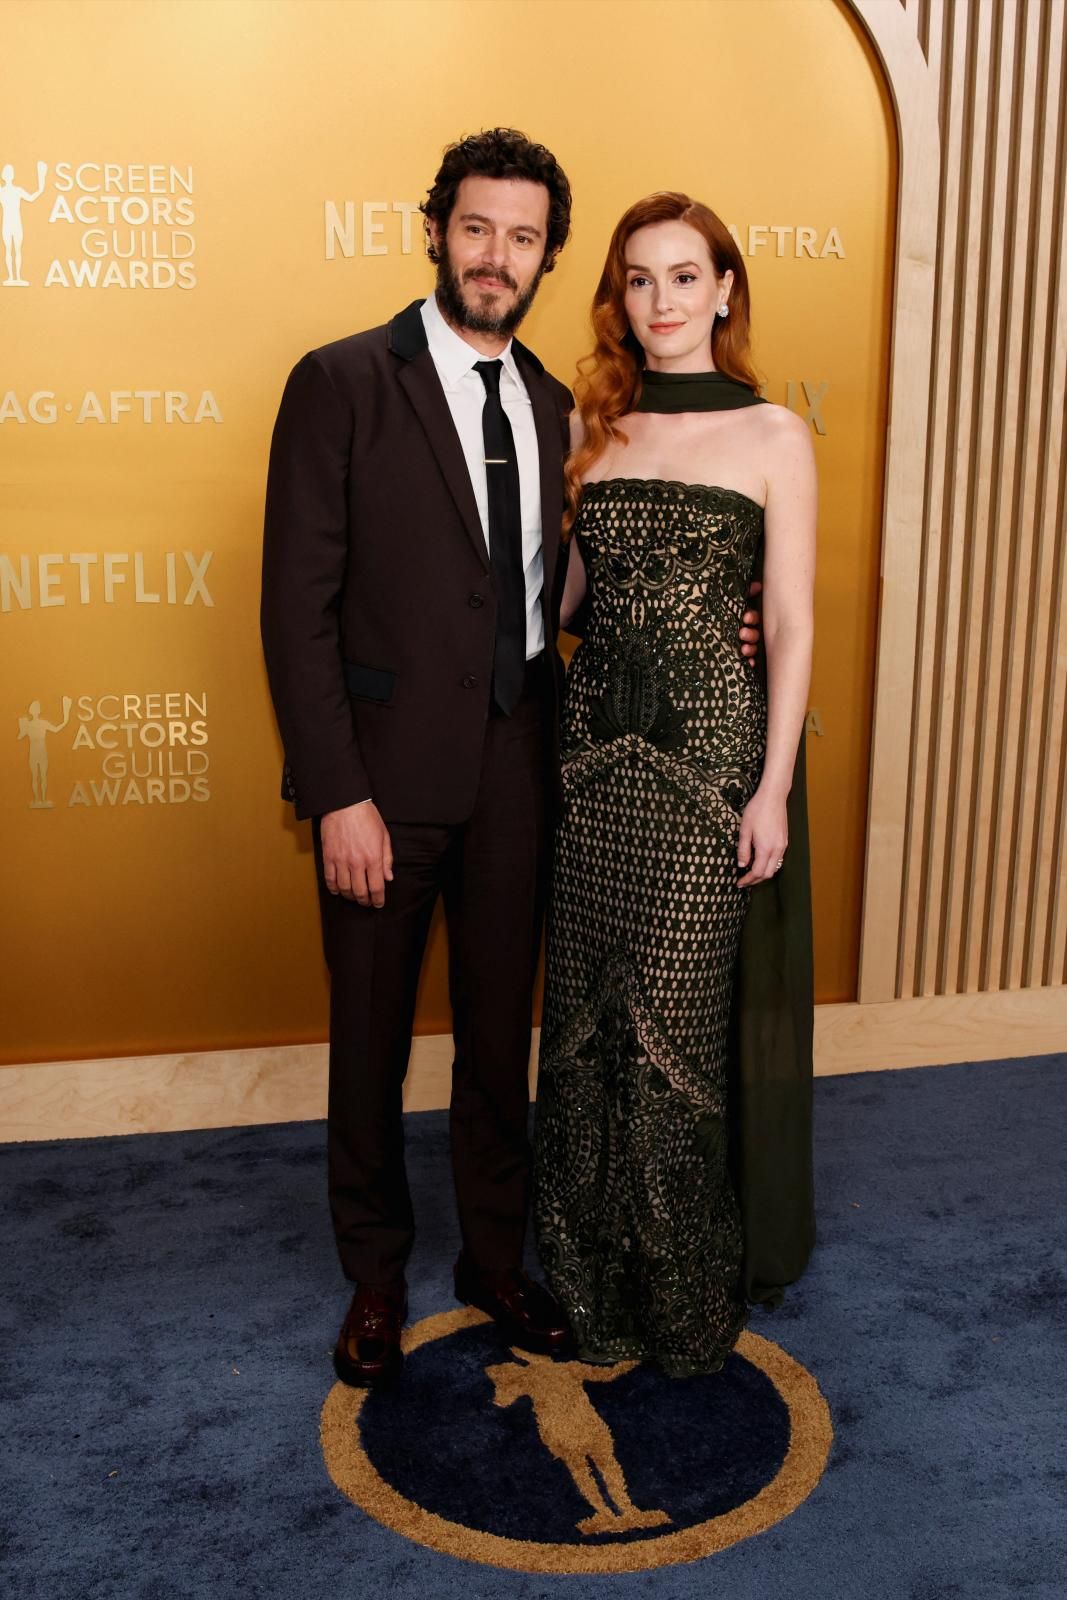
{"x": 663, "y": 738}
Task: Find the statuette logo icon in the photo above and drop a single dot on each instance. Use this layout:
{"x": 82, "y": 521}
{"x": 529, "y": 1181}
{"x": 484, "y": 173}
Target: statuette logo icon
{"x": 12, "y": 198}
{"x": 516, "y": 1460}
{"x": 573, "y": 1431}
{"x": 35, "y": 730}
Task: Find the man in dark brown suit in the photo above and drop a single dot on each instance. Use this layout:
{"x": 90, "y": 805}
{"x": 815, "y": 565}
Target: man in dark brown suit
{"x": 411, "y": 580}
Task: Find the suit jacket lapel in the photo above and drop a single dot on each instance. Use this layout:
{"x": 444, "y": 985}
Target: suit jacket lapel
{"x": 418, "y": 377}
{"x": 423, "y": 387}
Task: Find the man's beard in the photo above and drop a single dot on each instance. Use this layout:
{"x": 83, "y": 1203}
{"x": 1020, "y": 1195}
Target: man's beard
{"x": 484, "y": 318}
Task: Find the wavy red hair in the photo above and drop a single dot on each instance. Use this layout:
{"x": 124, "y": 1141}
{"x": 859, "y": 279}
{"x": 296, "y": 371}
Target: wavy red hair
{"x": 609, "y": 378}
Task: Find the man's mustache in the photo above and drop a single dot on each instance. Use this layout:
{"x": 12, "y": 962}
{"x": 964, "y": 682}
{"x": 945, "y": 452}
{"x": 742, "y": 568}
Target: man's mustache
{"x": 498, "y": 275}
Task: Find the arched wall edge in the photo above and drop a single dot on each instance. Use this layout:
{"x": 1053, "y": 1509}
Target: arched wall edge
{"x": 914, "y": 94}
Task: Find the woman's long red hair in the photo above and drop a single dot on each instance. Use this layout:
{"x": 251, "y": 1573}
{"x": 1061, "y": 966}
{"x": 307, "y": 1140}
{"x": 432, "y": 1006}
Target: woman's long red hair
{"x": 609, "y": 379}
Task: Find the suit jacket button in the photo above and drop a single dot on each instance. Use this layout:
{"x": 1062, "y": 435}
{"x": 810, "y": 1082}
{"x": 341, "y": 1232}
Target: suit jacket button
{"x": 470, "y": 681}
{"x": 476, "y": 601}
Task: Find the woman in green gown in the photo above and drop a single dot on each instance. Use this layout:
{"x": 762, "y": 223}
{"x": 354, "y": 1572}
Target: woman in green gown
{"x": 661, "y": 1204}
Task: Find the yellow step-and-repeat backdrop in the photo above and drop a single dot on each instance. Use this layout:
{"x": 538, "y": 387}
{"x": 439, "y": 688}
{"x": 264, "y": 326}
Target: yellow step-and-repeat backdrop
{"x": 193, "y": 195}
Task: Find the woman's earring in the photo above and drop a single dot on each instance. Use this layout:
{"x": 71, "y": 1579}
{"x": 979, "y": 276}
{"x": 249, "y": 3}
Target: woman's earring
{"x": 723, "y": 311}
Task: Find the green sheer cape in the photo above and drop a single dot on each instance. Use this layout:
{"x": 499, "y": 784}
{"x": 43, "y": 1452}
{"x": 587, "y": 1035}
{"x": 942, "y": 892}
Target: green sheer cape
{"x": 773, "y": 1011}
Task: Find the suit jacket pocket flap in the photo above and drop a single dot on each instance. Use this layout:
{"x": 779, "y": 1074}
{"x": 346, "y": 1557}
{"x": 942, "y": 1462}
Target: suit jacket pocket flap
{"x": 369, "y": 683}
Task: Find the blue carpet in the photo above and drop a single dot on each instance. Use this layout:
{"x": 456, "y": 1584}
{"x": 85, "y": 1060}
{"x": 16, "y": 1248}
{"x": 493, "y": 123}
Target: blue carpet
{"x": 170, "y": 1302}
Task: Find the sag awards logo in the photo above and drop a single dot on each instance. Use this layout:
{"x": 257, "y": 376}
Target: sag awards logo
{"x": 519, "y": 1461}
{"x": 381, "y": 227}
{"x": 354, "y": 228}
{"x": 120, "y": 750}
{"x": 109, "y": 225}
{"x": 91, "y": 577}
{"x": 789, "y": 239}
{"x": 112, "y": 407}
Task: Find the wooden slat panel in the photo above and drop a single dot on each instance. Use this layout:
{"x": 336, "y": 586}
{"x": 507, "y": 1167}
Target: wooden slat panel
{"x": 931, "y": 630}
{"x": 1047, "y": 937}
{"x": 983, "y": 874}
{"x": 1025, "y": 708}
{"x": 950, "y": 117}
{"x": 1034, "y": 932}
{"x": 1008, "y": 369}
{"x": 1055, "y": 970}
{"x": 982, "y": 616}
{"x": 931, "y": 25}
{"x": 972, "y": 42}
{"x": 919, "y": 14}
{"x": 1054, "y": 967}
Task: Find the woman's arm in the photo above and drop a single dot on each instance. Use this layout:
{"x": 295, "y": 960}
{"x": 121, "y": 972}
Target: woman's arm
{"x": 788, "y": 587}
{"x": 575, "y": 585}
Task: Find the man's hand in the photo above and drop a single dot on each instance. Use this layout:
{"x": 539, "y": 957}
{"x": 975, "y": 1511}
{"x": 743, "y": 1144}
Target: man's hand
{"x": 357, "y": 853}
{"x": 749, "y": 632}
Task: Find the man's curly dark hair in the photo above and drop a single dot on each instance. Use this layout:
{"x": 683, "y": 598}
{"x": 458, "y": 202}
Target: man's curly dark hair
{"x": 501, "y": 153}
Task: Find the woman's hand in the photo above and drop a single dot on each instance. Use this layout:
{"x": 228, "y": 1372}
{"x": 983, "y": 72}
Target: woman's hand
{"x": 764, "y": 837}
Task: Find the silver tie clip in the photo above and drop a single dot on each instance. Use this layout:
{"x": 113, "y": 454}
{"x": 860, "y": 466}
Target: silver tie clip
{"x": 494, "y": 461}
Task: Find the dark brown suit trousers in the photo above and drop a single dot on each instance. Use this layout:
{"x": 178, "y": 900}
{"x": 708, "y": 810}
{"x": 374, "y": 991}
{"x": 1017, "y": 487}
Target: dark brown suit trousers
{"x": 378, "y": 620}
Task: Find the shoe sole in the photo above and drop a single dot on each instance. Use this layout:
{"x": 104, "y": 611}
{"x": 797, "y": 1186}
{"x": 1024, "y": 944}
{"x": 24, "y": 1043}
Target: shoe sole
{"x": 356, "y": 1378}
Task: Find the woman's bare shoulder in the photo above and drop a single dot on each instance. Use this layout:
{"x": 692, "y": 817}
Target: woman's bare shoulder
{"x": 785, "y": 439}
{"x": 778, "y": 422}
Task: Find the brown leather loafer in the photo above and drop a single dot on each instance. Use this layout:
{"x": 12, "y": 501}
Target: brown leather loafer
{"x": 524, "y": 1311}
{"x": 368, "y": 1346}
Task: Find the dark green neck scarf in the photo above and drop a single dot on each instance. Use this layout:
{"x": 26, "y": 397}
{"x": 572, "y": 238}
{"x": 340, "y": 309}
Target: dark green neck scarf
{"x": 694, "y": 391}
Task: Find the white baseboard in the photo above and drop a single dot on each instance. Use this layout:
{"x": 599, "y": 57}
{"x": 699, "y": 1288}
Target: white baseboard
{"x": 287, "y": 1083}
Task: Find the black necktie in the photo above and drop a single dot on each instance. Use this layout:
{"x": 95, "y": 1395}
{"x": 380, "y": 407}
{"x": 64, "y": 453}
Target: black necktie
{"x": 505, "y": 542}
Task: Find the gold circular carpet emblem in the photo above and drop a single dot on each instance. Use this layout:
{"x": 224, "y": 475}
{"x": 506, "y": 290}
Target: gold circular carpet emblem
{"x": 518, "y": 1461}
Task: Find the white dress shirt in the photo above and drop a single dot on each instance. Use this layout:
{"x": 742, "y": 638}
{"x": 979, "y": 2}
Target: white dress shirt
{"x": 464, "y": 390}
